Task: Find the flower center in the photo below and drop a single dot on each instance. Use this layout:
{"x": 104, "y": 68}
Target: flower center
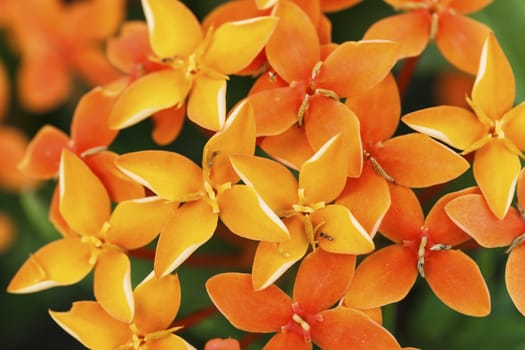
{"x": 424, "y": 247}
{"x": 301, "y": 322}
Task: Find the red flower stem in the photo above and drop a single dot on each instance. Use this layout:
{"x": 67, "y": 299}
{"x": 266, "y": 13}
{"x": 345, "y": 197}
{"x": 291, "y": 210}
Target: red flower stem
{"x": 197, "y": 316}
{"x": 248, "y": 340}
{"x": 231, "y": 261}
{"x": 405, "y": 75}
{"x": 142, "y": 253}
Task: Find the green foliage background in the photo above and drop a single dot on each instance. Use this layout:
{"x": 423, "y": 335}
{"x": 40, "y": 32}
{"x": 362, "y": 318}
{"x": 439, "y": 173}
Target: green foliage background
{"x": 421, "y": 320}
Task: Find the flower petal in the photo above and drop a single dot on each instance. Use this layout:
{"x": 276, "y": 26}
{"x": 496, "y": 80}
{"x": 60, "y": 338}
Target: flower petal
{"x": 131, "y": 47}
{"x": 455, "y": 126}
{"x": 287, "y": 340}
{"x": 411, "y": 30}
{"x": 323, "y": 176}
{"x": 88, "y": 323}
{"x": 515, "y": 277}
{"x": 322, "y": 280}
{"x": 263, "y": 311}
{"x": 337, "y": 5}
{"x": 13, "y": 146}
{"x": 340, "y": 232}
{"x": 170, "y": 341}
{"x": 167, "y": 124}
{"x": 174, "y": 29}
{"x": 520, "y": 189}
{"x": 497, "y": 186}
{"x": 189, "y": 227}
{"x": 468, "y": 6}
{"x": 168, "y": 174}
{"x": 272, "y": 260}
{"x": 147, "y": 95}
{"x": 84, "y": 202}
{"x": 345, "y": 328}
{"x": 7, "y": 232}
{"x": 293, "y": 49}
{"x": 265, "y": 176}
{"x": 112, "y": 285}
{"x": 371, "y": 61}
{"x": 157, "y": 302}
{"x": 222, "y": 344}
{"x": 382, "y": 278}
{"x": 245, "y": 213}
{"x": 46, "y": 268}
{"x": 290, "y": 148}
{"x": 207, "y": 102}
{"x": 472, "y": 214}
{"x": 235, "y": 44}
{"x": 415, "y": 160}
{"x": 457, "y": 281}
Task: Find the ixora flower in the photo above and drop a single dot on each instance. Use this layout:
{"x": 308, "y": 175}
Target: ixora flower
{"x": 458, "y": 37}
{"x": 321, "y": 281}
{"x": 471, "y": 213}
{"x": 196, "y": 66}
{"x": 95, "y": 239}
{"x": 425, "y": 246}
{"x": 494, "y": 130}
{"x": 156, "y": 303}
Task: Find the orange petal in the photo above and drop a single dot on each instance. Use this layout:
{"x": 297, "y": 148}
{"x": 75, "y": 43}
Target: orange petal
{"x": 520, "y": 189}
{"x": 88, "y": 323}
{"x": 119, "y": 186}
{"x": 13, "y": 146}
{"x": 4, "y": 91}
{"x": 382, "y": 278}
{"x": 457, "y": 281}
{"x": 92, "y": 65}
{"x": 168, "y": 174}
{"x": 378, "y": 111}
{"x": 290, "y": 148}
{"x": 230, "y": 11}
{"x": 370, "y": 61}
{"x": 42, "y": 157}
{"x": 497, "y": 186}
{"x": 287, "y": 340}
{"x": 56, "y": 218}
{"x": 207, "y": 102}
{"x": 468, "y": 6}
{"x": 245, "y": 213}
{"x": 262, "y": 311}
{"x": 174, "y": 29}
{"x": 337, "y": 5}
{"x": 112, "y": 285}
{"x": 404, "y": 218}
{"x": 89, "y": 127}
{"x": 167, "y": 124}
{"x": 455, "y": 126}
{"x": 235, "y": 44}
{"x": 222, "y": 344}
{"x": 130, "y": 48}
{"x": 135, "y": 223}
{"x": 170, "y": 341}
{"x": 472, "y": 214}
{"x": 189, "y": 227}
{"x": 345, "y": 328}
{"x": 340, "y": 232}
{"x": 367, "y": 197}
{"x": 411, "y": 30}
{"x": 293, "y": 49}
{"x": 322, "y": 280}
{"x": 323, "y": 176}
{"x": 464, "y": 50}
{"x": 157, "y": 302}
{"x": 515, "y": 277}
{"x": 274, "y": 259}
{"x": 148, "y": 95}
{"x": 328, "y": 118}
{"x": 415, "y": 160}
{"x": 84, "y": 202}
{"x": 7, "y": 232}
{"x": 46, "y": 268}
{"x": 514, "y": 126}
{"x": 265, "y": 176}
{"x": 236, "y": 137}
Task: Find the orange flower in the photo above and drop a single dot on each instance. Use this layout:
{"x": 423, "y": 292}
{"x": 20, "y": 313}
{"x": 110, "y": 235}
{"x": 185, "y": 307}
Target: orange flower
{"x": 156, "y": 303}
{"x": 321, "y": 281}
{"x": 424, "y": 246}
{"x": 222, "y": 344}
{"x": 458, "y": 37}
{"x": 494, "y": 130}
{"x": 471, "y": 213}
{"x": 57, "y": 39}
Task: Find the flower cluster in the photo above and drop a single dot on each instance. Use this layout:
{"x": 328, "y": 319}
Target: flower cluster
{"x": 310, "y": 165}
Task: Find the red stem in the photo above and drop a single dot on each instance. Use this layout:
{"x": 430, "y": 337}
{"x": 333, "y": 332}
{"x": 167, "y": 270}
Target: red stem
{"x": 197, "y": 316}
{"x": 405, "y": 76}
{"x": 248, "y": 339}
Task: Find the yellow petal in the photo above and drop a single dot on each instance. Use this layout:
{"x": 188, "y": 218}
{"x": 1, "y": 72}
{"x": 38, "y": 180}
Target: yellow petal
{"x": 174, "y": 29}
{"x": 112, "y": 285}
{"x": 46, "y": 268}
{"x": 207, "y": 102}
{"x": 245, "y": 213}
{"x": 170, "y": 341}
{"x": 273, "y": 259}
{"x": 88, "y": 323}
{"x": 168, "y": 174}
{"x": 192, "y": 225}
{"x": 323, "y": 176}
{"x": 84, "y": 202}
{"x": 514, "y": 126}
{"x": 147, "y": 95}
{"x": 497, "y": 186}
{"x": 290, "y": 148}
{"x": 236, "y": 44}
{"x": 339, "y": 232}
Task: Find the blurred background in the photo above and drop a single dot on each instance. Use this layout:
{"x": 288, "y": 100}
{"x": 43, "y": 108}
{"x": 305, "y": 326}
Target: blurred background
{"x": 421, "y": 320}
